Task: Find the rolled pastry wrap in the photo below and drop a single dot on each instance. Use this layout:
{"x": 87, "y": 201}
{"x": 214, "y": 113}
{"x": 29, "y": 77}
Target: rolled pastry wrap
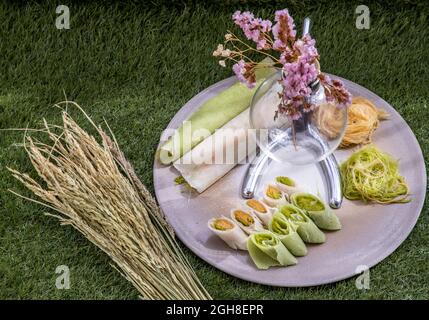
{"x": 205, "y": 164}
{"x": 273, "y": 196}
{"x": 247, "y": 221}
{"x": 286, "y": 232}
{"x": 261, "y": 210}
{"x": 305, "y": 227}
{"x": 229, "y": 232}
{"x": 287, "y": 185}
{"x": 266, "y": 250}
{"x": 319, "y": 212}
{"x": 212, "y": 115}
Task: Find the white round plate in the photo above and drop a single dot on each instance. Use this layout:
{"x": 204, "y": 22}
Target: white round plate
{"x": 370, "y": 232}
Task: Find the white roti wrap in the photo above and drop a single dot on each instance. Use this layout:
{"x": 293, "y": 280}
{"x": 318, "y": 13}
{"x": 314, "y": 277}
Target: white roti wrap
{"x": 264, "y": 217}
{"x": 255, "y": 227}
{"x": 234, "y": 238}
{"x": 218, "y": 154}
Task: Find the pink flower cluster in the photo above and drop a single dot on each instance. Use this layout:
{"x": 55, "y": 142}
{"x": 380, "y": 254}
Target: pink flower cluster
{"x": 298, "y": 59}
{"x": 284, "y": 30}
{"x": 296, "y": 79}
{"x": 254, "y": 28}
{"x": 245, "y": 73}
{"x": 335, "y": 91}
{"x": 306, "y": 49}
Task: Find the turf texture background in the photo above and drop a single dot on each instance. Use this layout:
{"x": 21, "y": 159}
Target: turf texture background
{"x": 135, "y": 65}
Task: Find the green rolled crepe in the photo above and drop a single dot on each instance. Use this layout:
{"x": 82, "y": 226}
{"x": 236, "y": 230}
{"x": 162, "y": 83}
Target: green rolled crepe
{"x": 212, "y": 115}
{"x": 305, "y": 227}
{"x": 266, "y": 250}
{"x": 287, "y": 234}
{"x": 319, "y": 212}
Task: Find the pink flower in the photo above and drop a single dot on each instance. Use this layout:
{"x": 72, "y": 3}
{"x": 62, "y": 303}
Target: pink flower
{"x": 242, "y": 18}
{"x": 279, "y": 45}
{"x": 335, "y": 91}
{"x": 297, "y": 57}
{"x": 288, "y": 110}
{"x": 342, "y": 95}
{"x": 306, "y": 48}
{"x": 297, "y": 77}
{"x": 286, "y": 54}
{"x": 309, "y": 107}
{"x": 239, "y": 70}
{"x": 293, "y": 114}
{"x": 284, "y": 29}
{"x": 245, "y": 73}
{"x": 254, "y": 29}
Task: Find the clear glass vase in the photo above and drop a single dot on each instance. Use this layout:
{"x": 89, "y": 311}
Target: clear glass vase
{"x": 310, "y": 139}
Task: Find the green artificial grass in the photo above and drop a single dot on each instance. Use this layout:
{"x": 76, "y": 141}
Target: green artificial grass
{"x": 136, "y": 66}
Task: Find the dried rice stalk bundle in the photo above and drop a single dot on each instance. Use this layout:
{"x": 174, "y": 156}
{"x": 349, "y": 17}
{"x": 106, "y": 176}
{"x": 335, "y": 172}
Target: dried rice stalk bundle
{"x": 363, "y": 119}
{"x": 95, "y": 190}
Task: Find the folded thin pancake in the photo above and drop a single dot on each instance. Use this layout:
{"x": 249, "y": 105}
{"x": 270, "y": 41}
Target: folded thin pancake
{"x": 286, "y": 232}
{"x": 318, "y": 211}
{"x": 212, "y": 115}
{"x": 305, "y": 227}
{"x": 218, "y": 153}
{"x": 266, "y": 250}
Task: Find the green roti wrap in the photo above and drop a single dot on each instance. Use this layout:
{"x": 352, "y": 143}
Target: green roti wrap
{"x": 318, "y": 211}
{"x": 212, "y": 115}
{"x": 305, "y": 227}
{"x": 287, "y": 234}
{"x": 266, "y": 250}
